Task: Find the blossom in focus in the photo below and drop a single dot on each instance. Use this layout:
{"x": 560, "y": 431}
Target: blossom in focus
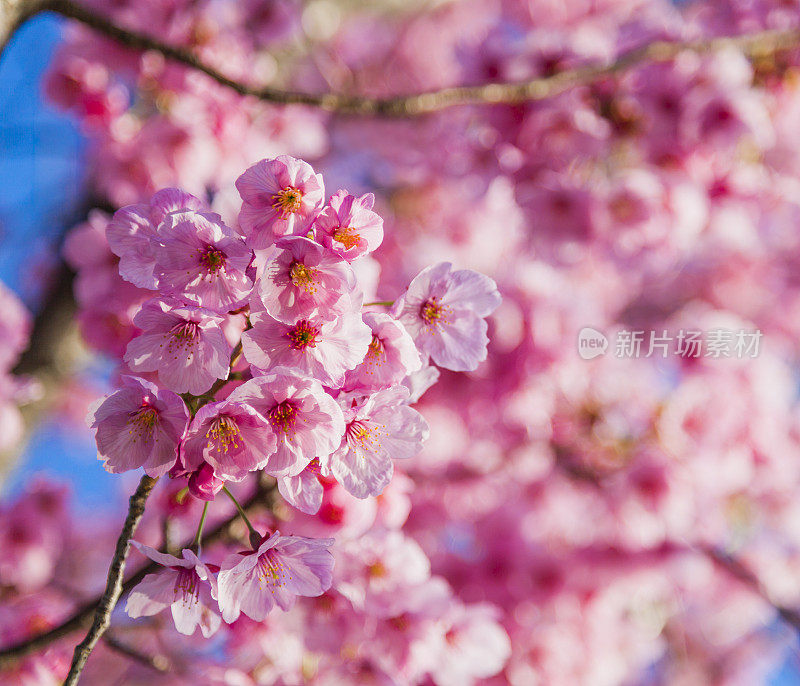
{"x": 391, "y": 356}
{"x": 202, "y": 259}
{"x": 231, "y": 436}
{"x": 139, "y": 425}
{"x": 306, "y": 421}
{"x": 303, "y": 490}
{"x": 324, "y": 350}
{"x": 444, "y": 312}
{"x": 185, "y": 585}
{"x": 282, "y": 568}
{"x": 183, "y": 343}
{"x": 302, "y": 280}
{"x": 280, "y": 196}
{"x": 378, "y": 428}
{"x": 133, "y": 234}
{"x": 348, "y": 227}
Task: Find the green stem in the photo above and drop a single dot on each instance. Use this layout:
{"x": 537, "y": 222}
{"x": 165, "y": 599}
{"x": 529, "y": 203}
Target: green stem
{"x": 255, "y": 537}
{"x": 198, "y": 537}
{"x": 383, "y": 303}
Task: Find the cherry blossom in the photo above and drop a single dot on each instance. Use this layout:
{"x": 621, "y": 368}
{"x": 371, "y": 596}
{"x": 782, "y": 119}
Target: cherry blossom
{"x": 279, "y": 196}
{"x": 348, "y": 226}
{"x": 185, "y": 585}
{"x": 282, "y": 568}
{"x": 138, "y": 425}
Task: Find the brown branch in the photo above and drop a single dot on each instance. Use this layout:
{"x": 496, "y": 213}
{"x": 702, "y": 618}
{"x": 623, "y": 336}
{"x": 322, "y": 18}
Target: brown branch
{"x": 157, "y": 662}
{"x": 739, "y": 571}
{"x": 754, "y": 45}
{"x": 102, "y": 614}
{"x": 81, "y": 617}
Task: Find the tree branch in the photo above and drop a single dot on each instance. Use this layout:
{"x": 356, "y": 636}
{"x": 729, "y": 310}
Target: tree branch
{"x": 102, "y": 614}
{"x": 157, "y": 662}
{"x": 739, "y": 571}
{"x": 754, "y": 45}
{"x": 81, "y": 617}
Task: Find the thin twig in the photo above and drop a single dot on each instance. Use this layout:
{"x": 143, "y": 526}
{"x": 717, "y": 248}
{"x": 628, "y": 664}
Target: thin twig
{"x": 157, "y": 662}
{"x": 102, "y": 615}
{"x": 739, "y": 571}
{"x": 83, "y": 615}
{"x": 754, "y": 45}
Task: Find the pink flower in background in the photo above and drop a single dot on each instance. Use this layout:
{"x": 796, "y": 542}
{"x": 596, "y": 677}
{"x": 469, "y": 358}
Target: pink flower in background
{"x": 324, "y": 350}
{"x": 139, "y": 425}
{"x": 282, "y": 568}
{"x": 279, "y": 196}
{"x": 231, "y": 436}
{"x": 185, "y": 585}
{"x": 444, "y": 312}
{"x": 15, "y": 327}
{"x": 133, "y": 234}
{"x": 378, "y": 428}
{"x": 348, "y": 226}
{"x": 391, "y": 356}
{"x": 200, "y": 258}
{"x": 474, "y": 645}
{"x": 307, "y": 421}
{"x": 302, "y": 280}
{"x": 183, "y": 343}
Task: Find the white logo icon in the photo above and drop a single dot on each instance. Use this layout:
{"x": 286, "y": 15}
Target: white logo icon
{"x": 591, "y": 343}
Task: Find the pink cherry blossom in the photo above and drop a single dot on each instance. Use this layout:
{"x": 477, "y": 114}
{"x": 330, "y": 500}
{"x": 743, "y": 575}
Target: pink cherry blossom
{"x": 323, "y": 350}
{"x": 231, "y": 436}
{"x": 133, "y": 234}
{"x": 302, "y": 280}
{"x": 185, "y": 585}
{"x": 392, "y": 355}
{"x": 183, "y": 343}
{"x": 280, "y": 196}
{"x": 378, "y": 429}
{"x": 282, "y": 568}
{"x": 444, "y": 312}
{"x": 204, "y": 484}
{"x": 306, "y": 421}
{"x": 139, "y": 425}
{"x": 200, "y": 258}
{"x": 304, "y": 490}
{"x": 348, "y": 226}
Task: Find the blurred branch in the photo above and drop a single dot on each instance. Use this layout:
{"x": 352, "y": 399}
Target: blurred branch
{"x": 261, "y": 497}
{"x": 739, "y": 571}
{"x": 754, "y": 45}
{"x": 102, "y": 614}
{"x": 157, "y": 662}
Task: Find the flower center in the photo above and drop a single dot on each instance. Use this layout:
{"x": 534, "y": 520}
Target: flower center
{"x": 213, "y": 259}
{"x": 303, "y": 335}
{"x": 431, "y": 311}
{"x": 186, "y": 586}
{"x": 224, "y": 433}
{"x": 143, "y": 423}
{"x": 360, "y": 435}
{"x": 302, "y": 276}
{"x": 271, "y": 570}
{"x": 347, "y": 236}
{"x": 287, "y": 201}
{"x": 375, "y": 347}
{"x": 184, "y": 332}
{"x": 283, "y": 416}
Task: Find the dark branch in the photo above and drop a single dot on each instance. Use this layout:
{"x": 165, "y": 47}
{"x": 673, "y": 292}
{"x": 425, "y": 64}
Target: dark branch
{"x": 755, "y": 45}
{"x": 157, "y": 662}
{"x": 83, "y": 615}
{"x": 102, "y": 614}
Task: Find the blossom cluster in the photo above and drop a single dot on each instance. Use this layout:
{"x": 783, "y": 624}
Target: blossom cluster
{"x": 257, "y": 353}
